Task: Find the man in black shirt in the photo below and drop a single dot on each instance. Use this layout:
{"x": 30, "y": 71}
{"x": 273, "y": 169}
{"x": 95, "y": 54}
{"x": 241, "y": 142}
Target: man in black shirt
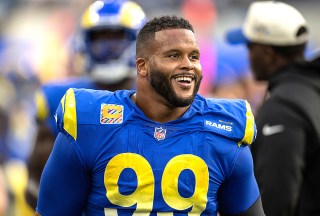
{"x": 286, "y": 151}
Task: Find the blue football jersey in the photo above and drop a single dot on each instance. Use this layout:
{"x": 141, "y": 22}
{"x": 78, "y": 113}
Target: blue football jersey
{"x": 49, "y": 96}
{"x": 110, "y": 159}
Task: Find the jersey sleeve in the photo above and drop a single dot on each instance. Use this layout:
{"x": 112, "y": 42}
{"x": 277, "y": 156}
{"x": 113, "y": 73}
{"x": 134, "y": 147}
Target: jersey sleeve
{"x": 65, "y": 184}
{"x": 231, "y": 118}
{"x": 240, "y": 190}
{"x": 65, "y": 181}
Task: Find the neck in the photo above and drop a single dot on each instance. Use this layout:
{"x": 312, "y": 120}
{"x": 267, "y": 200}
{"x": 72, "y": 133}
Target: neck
{"x": 155, "y": 107}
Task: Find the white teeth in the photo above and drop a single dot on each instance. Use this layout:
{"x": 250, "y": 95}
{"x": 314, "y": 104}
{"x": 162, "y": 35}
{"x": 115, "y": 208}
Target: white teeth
{"x": 185, "y": 79}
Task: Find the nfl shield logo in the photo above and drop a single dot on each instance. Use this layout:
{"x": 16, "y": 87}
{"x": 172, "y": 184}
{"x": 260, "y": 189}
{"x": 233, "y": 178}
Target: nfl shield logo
{"x": 160, "y": 133}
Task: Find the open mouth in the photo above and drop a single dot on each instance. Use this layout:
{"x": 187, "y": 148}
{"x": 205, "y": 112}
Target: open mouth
{"x": 184, "y": 82}
{"x": 184, "y": 79}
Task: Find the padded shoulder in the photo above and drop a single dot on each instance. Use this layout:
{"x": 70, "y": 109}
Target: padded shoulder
{"x": 66, "y": 115}
{"x": 79, "y": 106}
{"x": 231, "y": 118}
{"x": 250, "y": 131}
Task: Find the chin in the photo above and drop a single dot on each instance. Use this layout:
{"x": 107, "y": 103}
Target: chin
{"x": 185, "y": 96}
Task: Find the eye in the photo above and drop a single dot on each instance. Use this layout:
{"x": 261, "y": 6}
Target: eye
{"x": 173, "y": 55}
{"x": 195, "y": 57}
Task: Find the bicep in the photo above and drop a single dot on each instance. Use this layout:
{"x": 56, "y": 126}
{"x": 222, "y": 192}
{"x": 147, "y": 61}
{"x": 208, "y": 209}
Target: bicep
{"x": 64, "y": 184}
{"x": 240, "y": 190}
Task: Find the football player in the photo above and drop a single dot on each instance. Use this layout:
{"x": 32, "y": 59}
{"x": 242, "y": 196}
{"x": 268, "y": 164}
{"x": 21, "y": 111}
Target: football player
{"x": 160, "y": 150}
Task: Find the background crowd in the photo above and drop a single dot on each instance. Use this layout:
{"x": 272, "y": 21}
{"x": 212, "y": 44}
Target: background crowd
{"x": 36, "y": 47}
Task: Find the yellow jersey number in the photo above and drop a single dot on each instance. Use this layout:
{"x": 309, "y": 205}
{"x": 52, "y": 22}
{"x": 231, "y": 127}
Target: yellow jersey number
{"x": 143, "y": 196}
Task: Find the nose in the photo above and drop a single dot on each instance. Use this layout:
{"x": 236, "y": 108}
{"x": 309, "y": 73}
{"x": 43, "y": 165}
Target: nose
{"x": 186, "y": 63}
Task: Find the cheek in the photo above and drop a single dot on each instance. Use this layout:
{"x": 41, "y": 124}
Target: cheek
{"x": 259, "y": 65}
{"x": 158, "y": 65}
{"x": 166, "y": 68}
{"x": 251, "y": 54}
{"x": 255, "y": 58}
{"x": 198, "y": 69}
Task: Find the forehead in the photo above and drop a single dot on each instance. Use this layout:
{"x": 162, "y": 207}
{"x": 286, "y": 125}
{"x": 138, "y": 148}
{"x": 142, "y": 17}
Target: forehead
{"x": 175, "y": 38}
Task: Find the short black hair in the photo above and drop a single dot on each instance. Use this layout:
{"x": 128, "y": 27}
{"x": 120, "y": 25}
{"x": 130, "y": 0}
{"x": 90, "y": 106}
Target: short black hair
{"x": 147, "y": 33}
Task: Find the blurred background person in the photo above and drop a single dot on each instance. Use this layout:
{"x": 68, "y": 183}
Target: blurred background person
{"x": 286, "y": 151}
{"x": 105, "y": 56}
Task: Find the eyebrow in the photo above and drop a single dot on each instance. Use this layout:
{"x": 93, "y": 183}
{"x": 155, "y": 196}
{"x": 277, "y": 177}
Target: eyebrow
{"x": 197, "y": 51}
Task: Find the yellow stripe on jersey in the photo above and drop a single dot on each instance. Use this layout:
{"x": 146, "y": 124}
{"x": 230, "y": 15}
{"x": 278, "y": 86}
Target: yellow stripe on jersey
{"x": 68, "y": 103}
{"x": 164, "y": 213}
{"x": 41, "y": 106}
{"x": 249, "y": 130}
{"x": 63, "y": 101}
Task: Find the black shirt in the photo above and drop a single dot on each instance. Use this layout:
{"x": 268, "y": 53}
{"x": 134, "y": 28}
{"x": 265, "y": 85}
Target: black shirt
{"x": 286, "y": 152}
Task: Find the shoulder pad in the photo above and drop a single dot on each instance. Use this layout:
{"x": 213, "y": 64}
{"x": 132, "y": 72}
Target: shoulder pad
{"x": 231, "y": 118}
{"x": 250, "y": 127}
{"x": 66, "y": 115}
{"x": 80, "y": 107}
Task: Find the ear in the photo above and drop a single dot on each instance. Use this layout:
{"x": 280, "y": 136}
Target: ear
{"x": 141, "y": 65}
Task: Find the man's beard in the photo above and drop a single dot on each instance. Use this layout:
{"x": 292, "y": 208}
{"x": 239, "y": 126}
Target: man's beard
{"x": 164, "y": 87}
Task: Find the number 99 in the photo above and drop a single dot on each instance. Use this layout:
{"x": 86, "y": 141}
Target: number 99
{"x": 143, "y": 196}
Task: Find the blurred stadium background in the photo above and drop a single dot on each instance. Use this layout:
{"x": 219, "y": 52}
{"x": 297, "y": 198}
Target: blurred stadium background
{"x": 36, "y": 47}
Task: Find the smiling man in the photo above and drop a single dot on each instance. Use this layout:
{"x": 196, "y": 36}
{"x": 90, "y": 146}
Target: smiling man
{"x": 152, "y": 151}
